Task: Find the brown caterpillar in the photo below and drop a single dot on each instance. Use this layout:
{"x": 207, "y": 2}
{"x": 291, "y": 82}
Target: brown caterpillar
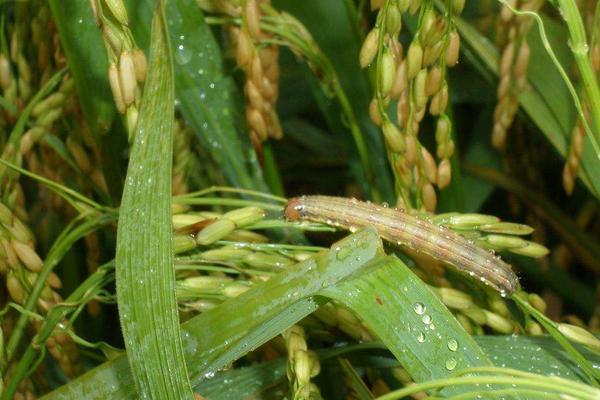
{"x": 404, "y": 229}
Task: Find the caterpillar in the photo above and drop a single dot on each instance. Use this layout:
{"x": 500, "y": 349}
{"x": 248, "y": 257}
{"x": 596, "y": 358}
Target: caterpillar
{"x": 401, "y": 228}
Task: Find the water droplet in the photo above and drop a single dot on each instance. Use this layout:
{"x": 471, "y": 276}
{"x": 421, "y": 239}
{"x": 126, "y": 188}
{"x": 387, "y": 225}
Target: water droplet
{"x": 585, "y": 47}
{"x": 421, "y": 337}
{"x": 209, "y": 375}
{"x": 451, "y": 364}
{"x": 342, "y": 253}
{"x": 427, "y": 319}
{"x": 452, "y": 344}
{"x": 363, "y": 243}
{"x": 419, "y": 308}
{"x": 183, "y": 55}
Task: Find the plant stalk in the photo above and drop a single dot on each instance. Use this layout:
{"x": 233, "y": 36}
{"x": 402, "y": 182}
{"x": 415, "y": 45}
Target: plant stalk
{"x": 580, "y": 49}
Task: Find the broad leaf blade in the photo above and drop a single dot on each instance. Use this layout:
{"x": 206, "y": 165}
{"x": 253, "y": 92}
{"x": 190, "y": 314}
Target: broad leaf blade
{"x": 207, "y": 96}
{"x": 253, "y": 382}
{"x": 218, "y": 337}
{"x": 144, "y": 259}
{"x": 410, "y": 320}
{"x": 538, "y": 355}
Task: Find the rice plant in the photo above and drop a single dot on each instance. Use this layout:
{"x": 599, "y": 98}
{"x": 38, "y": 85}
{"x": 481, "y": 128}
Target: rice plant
{"x": 341, "y": 199}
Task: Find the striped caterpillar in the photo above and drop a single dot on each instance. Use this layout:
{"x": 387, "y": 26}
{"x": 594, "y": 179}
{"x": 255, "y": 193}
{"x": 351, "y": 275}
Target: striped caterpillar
{"x": 400, "y": 228}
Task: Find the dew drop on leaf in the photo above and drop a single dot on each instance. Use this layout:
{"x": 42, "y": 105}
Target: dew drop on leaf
{"x": 452, "y": 344}
{"x": 343, "y": 253}
{"x": 451, "y": 364}
{"x": 183, "y": 54}
{"x": 419, "y": 308}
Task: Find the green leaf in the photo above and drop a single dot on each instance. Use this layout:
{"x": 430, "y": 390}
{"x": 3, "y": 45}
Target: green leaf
{"x": 358, "y": 386}
{"x": 250, "y": 382}
{"x": 539, "y": 355}
{"x": 548, "y": 106}
{"x": 586, "y": 248}
{"x": 218, "y": 337}
{"x": 17, "y": 131}
{"x": 536, "y": 354}
{"x": 209, "y": 99}
{"x": 81, "y": 40}
{"x": 144, "y": 259}
{"x": 77, "y": 229}
{"x": 479, "y": 152}
{"x": 341, "y": 43}
{"x": 82, "y": 43}
{"x": 385, "y": 294}
{"x": 410, "y": 320}
{"x": 207, "y": 96}
{"x": 576, "y": 293}
{"x": 61, "y": 150}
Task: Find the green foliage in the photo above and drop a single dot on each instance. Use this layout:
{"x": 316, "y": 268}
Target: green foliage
{"x": 144, "y": 257}
{"x": 208, "y": 285}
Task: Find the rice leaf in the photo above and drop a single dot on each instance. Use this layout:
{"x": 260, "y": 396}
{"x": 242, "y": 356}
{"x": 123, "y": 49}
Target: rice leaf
{"x": 207, "y": 96}
{"x": 264, "y": 311}
{"x": 76, "y": 230}
{"x": 81, "y": 42}
{"x": 218, "y": 337}
{"x": 535, "y": 354}
{"x": 476, "y": 191}
{"x": 247, "y": 383}
{"x": 144, "y": 259}
{"x": 359, "y": 387}
{"x": 316, "y": 14}
{"x": 587, "y": 249}
{"x": 539, "y": 355}
{"x": 410, "y": 320}
{"x": 540, "y": 102}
